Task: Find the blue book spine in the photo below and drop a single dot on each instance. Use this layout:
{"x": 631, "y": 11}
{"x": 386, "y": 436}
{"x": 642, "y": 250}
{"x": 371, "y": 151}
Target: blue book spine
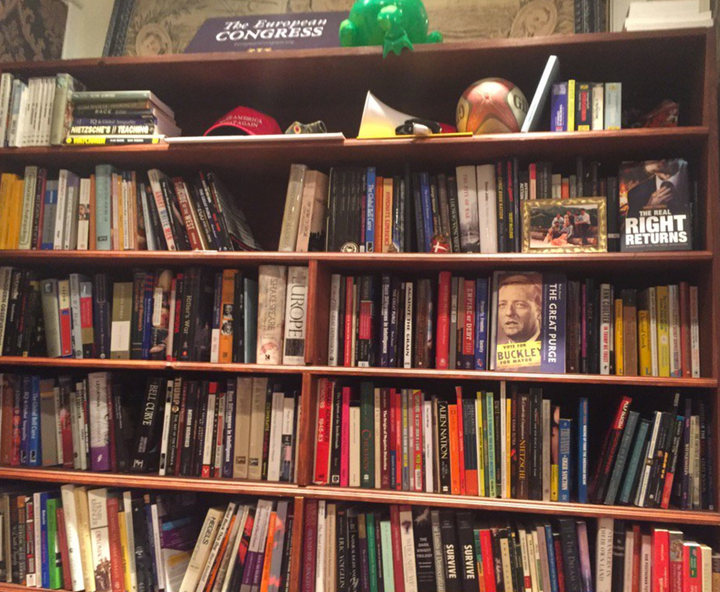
{"x": 481, "y": 322}
{"x": 103, "y": 211}
{"x": 552, "y": 564}
{"x": 564, "y": 457}
{"x": 554, "y": 303}
{"x": 49, "y": 212}
{"x": 559, "y": 107}
{"x": 385, "y": 320}
{"x": 370, "y": 211}
{"x": 148, "y": 293}
{"x": 230, "y": 398}
{"x": 25, "y": 421}
{"x": 250, "y": 319}
{"x": 426, "y": 210}
{"x": 44, "y": 555}
{"x": 582, "y": 434}
{"x": 34, "y": 450}
{"x": 635, "y": 462}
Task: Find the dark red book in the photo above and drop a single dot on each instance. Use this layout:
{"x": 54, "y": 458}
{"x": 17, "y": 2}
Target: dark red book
{"x": 610, "y": 446}
{"x": 443, "y": 321}
{"x": 116, "y": 559}
{"x": 397, "y": 403}
{"x": 468, "y": 324}
{"x": 461, "y": 441}
{"x": 384, "y": 438}
{"x": 309, "y": 545}
{"x": 396, "y": 548}
{"x": 349, "y": 311}
{"x": 64, "y": 550}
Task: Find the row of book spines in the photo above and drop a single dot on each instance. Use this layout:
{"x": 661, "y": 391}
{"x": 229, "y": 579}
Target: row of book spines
{"x": 421, "y": 550}
{"x": 402, "y": 334}
{"x": 112, "y": 210}
{"x": 585, "y": 106}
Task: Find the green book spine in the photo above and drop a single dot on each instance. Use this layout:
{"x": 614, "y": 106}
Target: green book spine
{"x": 55, "y": 566}
{"x": 367, "y": 435}
{"x": 623, "y": 453}
{"x": 634, "y": 462}
{"x": 387, "y": 558}
{"x": 492, "y": 479}
{"x": 372, "y": 555}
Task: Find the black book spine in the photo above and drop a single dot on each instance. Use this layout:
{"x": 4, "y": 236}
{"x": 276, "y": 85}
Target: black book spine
{"x": 138, "y": 315}
{"x": 221, "y": 241}
{"x": 443, "y": 437}
{"x": 394, "y": 322}
{"x": 178, "y": 402}
{"x": 190, "y": 290}
{"x": 154, "y": 222}
{"x": 517, "y": 206}
{"x": 497, "y": 535}
{"x": 267, "y": 425}
{"x": 424, "y": 558}
{"x": 573, "y": 328}
{"x": 353, "y": 553}
{"x": 147, "y": 426}
{"x": 39, "y": 201}
{"x": 664, "y": 441}
{"x": 205, "y": 217}
{"x": 498, "y": 458}
{"x": 466, "y": 552}
{"x": 366, "y": 321}
{"x": 417, "y": 205}
{"x": 214, "y": 187}
{"x": 501, "y": 196}
{"x": 285, "y": 567}
{"x": 341, "y": 321}
{"x": 238, "y": 350}
{"x": 544, "y": 180}
{"x": 705, "y": 467}
{"x": 122, "y": 459}
{"x": 510, "y": 206}
{"x": 451, "y": 557}
{"x": 408, "y": 224}
{"x": 378, "y": 553}
{"x": 342, "y": 550}
{"x": 535, "y": 444}
{"x": 435, "y": 207}
{"x": 102, "y": 317}
{"x": 516, "y": 560}
{"x": 570, "y": 557}
{"x": 201, "y": 317}
{"x": 336, "y": 436}
{"x": 202, "y": 215}
{"x": 13, "y": 311}
{"x": 613, "y": 213}
{"x": 454, "y": 213}
{"x": 142, "y": 547}
{"x": 331, "y": 212}
{"x": 618, "y": 555}
{"x": 189, "y": 412}
{"x": 33, "y": 336}
{"x": 200, "y": 427}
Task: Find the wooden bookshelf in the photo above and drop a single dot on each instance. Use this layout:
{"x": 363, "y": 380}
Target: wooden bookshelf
{"x": 331, "y": 84}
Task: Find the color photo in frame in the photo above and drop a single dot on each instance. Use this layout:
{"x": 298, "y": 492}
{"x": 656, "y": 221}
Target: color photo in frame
{"x": 576, "y": 225}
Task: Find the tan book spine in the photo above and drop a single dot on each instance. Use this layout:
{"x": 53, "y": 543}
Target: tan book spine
{"x": 306, "y": 211}
{"x": 242, "y": 427}
{"x": 121, "y": 320}
{"x": 291, "y": 215}
{"x": 84, "y": 537}
{"x": 201, "y": 552}
{"x": 257, "y": 428}
{"x": 271, "y": 313}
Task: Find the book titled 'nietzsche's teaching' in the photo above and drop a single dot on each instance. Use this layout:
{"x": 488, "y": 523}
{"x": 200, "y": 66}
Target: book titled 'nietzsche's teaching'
{"x": 655, "y": 206}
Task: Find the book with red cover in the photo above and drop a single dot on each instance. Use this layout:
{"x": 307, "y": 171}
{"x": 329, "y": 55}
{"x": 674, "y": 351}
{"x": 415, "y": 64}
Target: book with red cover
{"x": 397, "y": 404}
{"x": 610, "y": 446}
{"x": 417, "y": 427}
{"x": 322, "y": 446}
{"x": 117, "y": 574}
{"x": 454, "y": 449}
{"x": 8, "y": 411}
{"x": 660, "y": 560}
{"x": 443, "y": 321}
{"x": 675, "y": 546}
{"x": 685, "y": 362}
{"x": 345, "y": 437}
{"x": 349, "y": 312}
{"x": 396, "y": 548}
{"x": 64, "y": 550}
{"x": 309, "y": 551}
{"x": 385, "y": 438}
{"x": 692, "y": 567}
{"x": 488, "y": 562}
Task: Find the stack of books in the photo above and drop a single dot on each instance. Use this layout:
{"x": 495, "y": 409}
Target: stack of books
{"x": 191, "y": 428}
{"x": 119, "y": 117}
{"x": 653, "y": 16}
{"x": 585, "y": 106}
{"x": 190, "y": 315}
{"x": 420, "y": 549}
{"x": 120, "y": 210}
{"x": 467, "y": 323}
{"x": 516, "y": 446}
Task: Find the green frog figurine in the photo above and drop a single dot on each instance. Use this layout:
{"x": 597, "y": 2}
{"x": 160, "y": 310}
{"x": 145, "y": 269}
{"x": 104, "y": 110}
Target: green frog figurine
{"x": 394, "y": 24}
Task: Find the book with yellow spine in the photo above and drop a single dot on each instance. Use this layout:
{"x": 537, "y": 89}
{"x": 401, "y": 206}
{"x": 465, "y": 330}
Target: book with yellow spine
{"x": 619, "y": 338}
{"x": 663, "y": 330}
{"x": 644, "y": 353}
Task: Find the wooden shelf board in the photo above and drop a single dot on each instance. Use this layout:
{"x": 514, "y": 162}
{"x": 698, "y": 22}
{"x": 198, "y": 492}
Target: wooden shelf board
{"x": 605, "y": 143}
{"x": 143, "y": 481}
{"x": 511, "y": 505}
{"x": 377, "y": 373}
{"x": 641, "y": 261}
{"x": 262, "y": 488}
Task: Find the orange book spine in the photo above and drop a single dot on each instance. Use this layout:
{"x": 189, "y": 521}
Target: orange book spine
{"x": 387, "y": 201}
{"x": 221, "y": 553}
{"x": 268, "y": 553}
{"x": 454, "y": 452}
{"x": 226, "y": 316}
{"x": 379, "y": 212}
{"x": 461, "y": 441}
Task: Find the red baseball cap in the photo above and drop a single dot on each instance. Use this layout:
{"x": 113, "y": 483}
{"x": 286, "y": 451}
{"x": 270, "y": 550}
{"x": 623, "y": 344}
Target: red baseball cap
{"x": 246, "y": 120}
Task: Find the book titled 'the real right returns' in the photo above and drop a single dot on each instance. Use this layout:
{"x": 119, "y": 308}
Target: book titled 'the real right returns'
{"x": 655, "y": 206}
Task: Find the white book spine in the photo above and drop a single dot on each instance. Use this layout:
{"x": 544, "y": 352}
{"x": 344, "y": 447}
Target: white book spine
{"x": 408, "y": 326}
{"x": 28, "y": 129}
{"x": 546, "y": 448}
{"x": 295, "y": 316}
{"x": 84, "y": 426}
{"x": 209, "y": 434}
{"x": 287, "y": 439}
{"x": 74, "y": 429}
{"x": 60, "y": 210}
{"x": 28, "y": 207}
{"x": 71, "y": 215}
{"x": 321, "y": 552}
{"x": 354, "y": 476}
{"x": 606, "y": 310}
{"x": 219, "y": 435}
{"x": 6, "y": 83}
{"x": 271, "y": 313}
{"x": 83, "y": 233}
{"x": 675, "y": 347}
{"x": 429, "y": 460}
{"x": 468, "y": 209}
{"x": 154, "y": 178}
{"x": 59, "y": 417}
{"x": 694, "y": 332}
{"x": 20, "y": 97}
{"x": 487, "y": 208}
{"x": 407, "y": 544}
{"x": 48, "y": 110}
{"x": 149, "y": 230}
{"x": 646, "y": 564}
{"x": 598, "y": 106}
{"x": 99, "y": 533}
{"x": 291, "y": 215}
{"x": 257, "y": 428}
{"x": 306, "y": 211}
{"x": 274, "y": 453}
{"x": 613, "y": 105}
{"x": 217, "y": 543}
{"x": 334, "y": 321}
{"x": 524, "y": 559}
{"x": 628, "y": 560}
{"x": 35, "y": 576}
{"x": 533, "y": 560}
{"x": 75, "y": 315}
{"x": 98, "y": 407}
{"x": 164, "y": 442}
{"x": 603, "y": 555}
{"x": 200, "y": 553}
{"x": 652, "y": 309}
{"x": 67, "y": 492}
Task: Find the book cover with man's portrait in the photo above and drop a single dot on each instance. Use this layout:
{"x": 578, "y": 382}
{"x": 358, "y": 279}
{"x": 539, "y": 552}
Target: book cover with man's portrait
{"x": 528, "y": 333}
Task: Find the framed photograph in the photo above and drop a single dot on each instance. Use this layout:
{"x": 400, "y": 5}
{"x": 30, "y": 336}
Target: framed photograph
{"x": 576, "y": 225}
